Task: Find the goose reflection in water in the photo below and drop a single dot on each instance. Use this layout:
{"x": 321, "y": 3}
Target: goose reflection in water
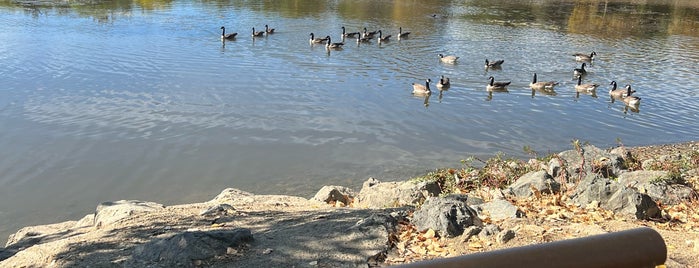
{"x": 591, "y": 94}
{"x": 547, "y": 92}
{"x": 490, "y": 93}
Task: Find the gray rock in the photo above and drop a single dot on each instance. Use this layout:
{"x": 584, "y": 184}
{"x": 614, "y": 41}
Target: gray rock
{"x": 539, "y": 180}
{"x": 376, "y": 194}
{"x": 332, "y": 194}
{"x": 658, "y": 185}
{"x": 555, "y": 168}
{"x": 184, "y": 249}
{"x": 594, "y": 188}
{"x": 595, "y": 161}
{"x": 504, "y": 236}
{"x": 630, "y": 202}
{"x": 448, "y": 216}
{"x": 499, "y": 209}
{"x": 615, "y": 197}
{"x": 489, "y": 230}
{"x": 470, "y": 232}
{"x": 110, "y": 212}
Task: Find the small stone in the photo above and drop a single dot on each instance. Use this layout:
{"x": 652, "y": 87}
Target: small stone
{"x": 197, "y": 262}
{"x": 505, "y": 236}
{"x": 231, "y": 251}
{"x": 429, "y": 234}
{"x": 267, "y": 251}
{"x": 593, "y": 205}
{"x": 313, "y": 263}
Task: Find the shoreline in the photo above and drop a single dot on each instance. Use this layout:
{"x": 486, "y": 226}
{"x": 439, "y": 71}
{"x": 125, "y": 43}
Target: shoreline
{"x": 46, "y": 238}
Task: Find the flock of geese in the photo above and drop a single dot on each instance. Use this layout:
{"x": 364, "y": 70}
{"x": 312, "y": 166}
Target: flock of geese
{"x": 443, "y": 83}
{"x": 624, "y": 94}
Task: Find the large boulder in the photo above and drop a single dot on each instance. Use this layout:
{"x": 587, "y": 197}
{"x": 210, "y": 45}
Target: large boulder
{"x": 448, "y": 216}
{"x": 189, "y": 249}
{"x": 658, "y": 185}
{"x": 376, "y": 194}
{"x": 539, "y": 180}
{"x": 615, "y": 197}
{"x": 593, "y": 160}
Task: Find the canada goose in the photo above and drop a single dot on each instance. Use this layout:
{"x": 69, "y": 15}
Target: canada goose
{"x": 580, "y": 87}
{"x": 383, "y": 38}
{"x": 348, "y": 34}
{"x": 443, "y": 83}
{"x": 257, "y": 34}
{"x": 618, "y": 93}
{"x": 579, "y": 71}
{"x": 542, "y": 85}
{"x": 448, "y": 59}
{"x": 369, "y": 34}
{"x": 584, "y": 57}
{"x": 268, "y": 30}
{"x": 330, "y": 44}
{"x": 631, "y": 100}
{"x": 227, "y": 36}
{"x": 402, "y": 34}
{"x": 494, "y": 64}
{"x": 361, "y": 39}
{"x": 497, "y": 86}
{"x": 317, "y": 40}
{"x": 419, "y": 89}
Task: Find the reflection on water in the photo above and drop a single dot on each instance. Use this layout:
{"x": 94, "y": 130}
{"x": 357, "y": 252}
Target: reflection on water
{"x": 108, "y": 100}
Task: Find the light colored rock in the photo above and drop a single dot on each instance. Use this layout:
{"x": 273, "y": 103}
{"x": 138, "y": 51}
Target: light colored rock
{"x": 332, "y": 194}
{"x": 539, "y": 180}
{"x": 375, "y": 194}
{"x": 110, "y": 212}
{"x": 499, "y": 209}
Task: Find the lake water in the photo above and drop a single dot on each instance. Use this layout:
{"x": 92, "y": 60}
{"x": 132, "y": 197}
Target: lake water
{"x": 142, "y": 100}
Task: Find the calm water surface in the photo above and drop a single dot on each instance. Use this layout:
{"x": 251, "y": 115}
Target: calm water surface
{"x": 142, "y": 100}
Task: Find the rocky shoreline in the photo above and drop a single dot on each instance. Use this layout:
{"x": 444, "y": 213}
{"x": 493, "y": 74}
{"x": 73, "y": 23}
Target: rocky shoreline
{"x": 450, "y": 212}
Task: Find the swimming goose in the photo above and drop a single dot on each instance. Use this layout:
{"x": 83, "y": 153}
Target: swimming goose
{"x": 383, "y": 38}
{"x": 361, "y": 39}
{"x": 631, "y": 100}
{"x": 257, "y": 34}
{"x": 448, "y": 59}
{"x": 348, "y": 34}
{"x": 494, "y": 64}
{"x": 419, "y": 89}
{"x": 580, "y": 87}
{"x": 317, "y": 40}
{"x": 585, "y": 57}
{"x": 369, "y": 34}
{"x": 402, "y": 34}
{"x": 443, "y": 83}
{"x": 330, "y": 44}
{"x": 579, "y": 71}
{"x": 542, "y": 85}
{"x": 497, "y": 86}
{"x": 227, "y": 36}
{"x": 268, "y": 30}
{"x": 618, "y": 93}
